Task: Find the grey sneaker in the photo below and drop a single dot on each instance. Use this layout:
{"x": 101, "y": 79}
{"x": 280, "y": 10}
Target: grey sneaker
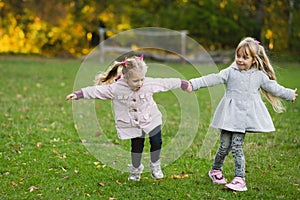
{"x": 135, "y": 173}
{"x": 155, "y": 169}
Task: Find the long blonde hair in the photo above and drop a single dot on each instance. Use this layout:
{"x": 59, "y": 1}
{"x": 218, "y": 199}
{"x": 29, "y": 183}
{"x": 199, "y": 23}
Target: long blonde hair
{"x": 127, "y": 66}
{"x": 257, "y": 51}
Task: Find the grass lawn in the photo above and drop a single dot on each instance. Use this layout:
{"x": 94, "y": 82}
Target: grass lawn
{"x": 43, "y": 157}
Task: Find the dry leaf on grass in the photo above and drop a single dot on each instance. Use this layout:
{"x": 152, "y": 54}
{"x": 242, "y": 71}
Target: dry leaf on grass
{"x": 179, "y": 176}
{"x": 102, "y": 184}
{"x": 32, "y": 188}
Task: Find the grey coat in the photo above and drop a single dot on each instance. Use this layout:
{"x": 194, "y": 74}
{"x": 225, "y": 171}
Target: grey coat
{"x": 242, "y": 109}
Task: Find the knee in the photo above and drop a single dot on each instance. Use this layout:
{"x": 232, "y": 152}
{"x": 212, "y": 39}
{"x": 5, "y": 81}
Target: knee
{"x": 224, "y": 149}
{"x": 137, "y": 145}
{"x": 237, "y": 143}
{"x": 156, "y": 143}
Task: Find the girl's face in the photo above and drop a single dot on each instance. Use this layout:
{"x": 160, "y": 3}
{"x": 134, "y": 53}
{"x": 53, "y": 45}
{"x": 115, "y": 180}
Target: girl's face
{"x": 243, "y": 59}
{"x": 135, "y": 80}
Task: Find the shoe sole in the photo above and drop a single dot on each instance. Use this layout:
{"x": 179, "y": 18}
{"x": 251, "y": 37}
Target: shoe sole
{"x": 156, "y": 177}
{"x": 234, "y": 189}
{"x": 133, "y": 179}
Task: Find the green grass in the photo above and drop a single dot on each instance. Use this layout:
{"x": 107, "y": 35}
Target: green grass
{"x": 40, "y": 147}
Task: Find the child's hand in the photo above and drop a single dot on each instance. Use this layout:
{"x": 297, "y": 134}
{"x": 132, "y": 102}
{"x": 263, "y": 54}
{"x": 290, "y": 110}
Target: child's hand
{"x": 186, "y": 86}
{"x": 71, "y": 96}
{"x": 294, "y": 99}
{"x": 189, "y": 88}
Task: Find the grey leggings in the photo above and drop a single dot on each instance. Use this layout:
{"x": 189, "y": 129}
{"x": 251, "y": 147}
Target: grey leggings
{"x": 231, "y": 141}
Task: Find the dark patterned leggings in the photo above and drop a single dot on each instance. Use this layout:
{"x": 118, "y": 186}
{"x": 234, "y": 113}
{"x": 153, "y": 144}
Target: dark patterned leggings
{"x": 231, "y": 141}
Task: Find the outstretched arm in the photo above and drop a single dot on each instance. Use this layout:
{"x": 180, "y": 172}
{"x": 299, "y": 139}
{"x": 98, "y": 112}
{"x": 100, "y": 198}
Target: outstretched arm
{"x": 272, "y": 87}
{"x": 210, "y": 79}
{"x": 75, "y": 95}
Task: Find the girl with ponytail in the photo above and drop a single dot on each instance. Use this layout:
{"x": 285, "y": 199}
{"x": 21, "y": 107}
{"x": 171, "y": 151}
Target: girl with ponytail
{"x": 136, "y": 113}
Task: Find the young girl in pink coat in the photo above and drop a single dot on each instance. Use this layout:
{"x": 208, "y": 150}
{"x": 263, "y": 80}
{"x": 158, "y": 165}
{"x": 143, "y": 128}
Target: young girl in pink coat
{"x": 136, "y": 113}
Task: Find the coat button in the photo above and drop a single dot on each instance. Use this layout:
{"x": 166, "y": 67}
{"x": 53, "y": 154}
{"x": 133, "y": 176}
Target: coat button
{"x": 134, "y": 100}
{"x": 134, "y": 110}
{"x": 136, "y": 119}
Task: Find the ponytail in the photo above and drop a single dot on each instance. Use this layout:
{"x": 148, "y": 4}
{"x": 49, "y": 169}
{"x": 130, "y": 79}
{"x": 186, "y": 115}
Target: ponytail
{"x": 264, "y": 65}
{"x": 108, "y": 76}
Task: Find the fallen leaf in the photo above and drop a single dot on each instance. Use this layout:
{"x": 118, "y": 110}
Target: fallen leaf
{"x": 280, "y": 197}
{"x": 76, "y": 171}
{"x": 14, "y": 184}
{"x": 66, "y": 177}
{"x": 111, "y": 198}
{"x": 64, "y": 168}
{"x": 98, "y": 166}
{"x": 21, "y": 181}
{"x": 19, "y": 96}
{"x": 179, "y": 176}
{"x": 38, "y": 144}
{"x": 32, "y": 188}
{"x": 117, "y": 181}
{"x": 64, "y": 155}
{"x": 102, "y": 184}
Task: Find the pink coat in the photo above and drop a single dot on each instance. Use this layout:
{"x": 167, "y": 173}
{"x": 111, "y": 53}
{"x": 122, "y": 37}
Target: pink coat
{"x": 134, "y": 111}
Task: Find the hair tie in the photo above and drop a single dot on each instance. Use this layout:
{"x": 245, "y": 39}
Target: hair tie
{"x": 256, "y": 41}
{"x": 140, "y": 58}
{"x": 123, "y": 62}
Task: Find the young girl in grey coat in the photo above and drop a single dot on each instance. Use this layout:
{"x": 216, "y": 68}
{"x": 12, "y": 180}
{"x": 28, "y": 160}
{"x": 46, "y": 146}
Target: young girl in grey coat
{"x": 136, "y": 113}
{"x": 241, "y": 109}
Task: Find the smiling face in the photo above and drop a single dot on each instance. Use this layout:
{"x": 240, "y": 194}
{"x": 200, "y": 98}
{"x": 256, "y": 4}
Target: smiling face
{"x": 135, "y": 79}
{"x": 243, "y": 58}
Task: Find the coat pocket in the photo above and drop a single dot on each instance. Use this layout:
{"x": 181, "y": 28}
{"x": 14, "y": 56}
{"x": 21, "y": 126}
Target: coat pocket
{"x": 123, "y": 122}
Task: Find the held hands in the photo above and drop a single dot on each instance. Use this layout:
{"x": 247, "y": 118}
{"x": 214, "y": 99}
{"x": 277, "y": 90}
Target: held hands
{"x": 71, "y": 96}
{"x": 295, "y": 96}
{"x": 186, "y": 86}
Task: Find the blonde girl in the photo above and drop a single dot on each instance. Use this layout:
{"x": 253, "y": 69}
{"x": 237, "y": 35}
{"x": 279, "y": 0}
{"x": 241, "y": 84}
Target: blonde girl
{"x": 136, "y": 113}
{"x": 241, "y": 109}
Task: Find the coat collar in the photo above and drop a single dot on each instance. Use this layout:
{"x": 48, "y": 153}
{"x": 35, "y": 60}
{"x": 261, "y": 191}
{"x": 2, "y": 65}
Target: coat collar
{"x": 251, "y": 70}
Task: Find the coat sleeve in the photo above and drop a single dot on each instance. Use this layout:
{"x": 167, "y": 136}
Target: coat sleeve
{"x": 102, "y": 92}
{"x": 211, "y": 79}
{"x": 163, "y": 84}
{"x": 274, "y": 88}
